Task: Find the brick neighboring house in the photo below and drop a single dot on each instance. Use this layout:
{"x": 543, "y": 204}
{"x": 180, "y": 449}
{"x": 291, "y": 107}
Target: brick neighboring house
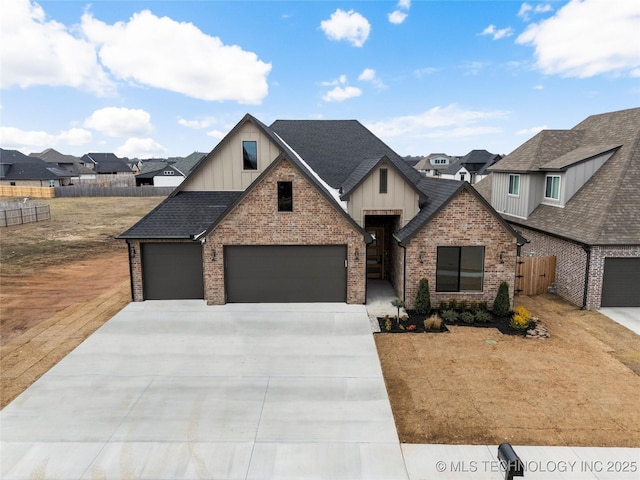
{"x": 574, "y": 195}
{"x": 20, "y": 170}
{"x": 309, "y": 211}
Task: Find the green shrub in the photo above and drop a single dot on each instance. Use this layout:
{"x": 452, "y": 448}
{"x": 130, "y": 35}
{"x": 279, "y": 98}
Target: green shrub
{"x": 398, "y": 303}
{"x": 463, "y": 305}
{"x": 453, "y": 305}
{"x": 483, "y": 306}
{"x": 467, "y": 317}
{"x": 423, "y": 298}
{"x": 443, "y": 306}
{"x": 450, "y": 316}
{"x": 387, "y": 323}
{"x": 501, "y": 303}
{"x": 473, "y": 307}
{"x": 482, "y": 316}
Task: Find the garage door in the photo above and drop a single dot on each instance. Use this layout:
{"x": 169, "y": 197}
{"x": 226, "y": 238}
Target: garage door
{"x": 271, "y": 274}
{"x": 172, "y": 271}
{"x": 620, "y": 282}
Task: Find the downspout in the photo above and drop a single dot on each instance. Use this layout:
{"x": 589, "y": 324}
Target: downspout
{"x": 587, "y": 249}
{"x": 130, "y": 270}
{"x": 404, "y": 270}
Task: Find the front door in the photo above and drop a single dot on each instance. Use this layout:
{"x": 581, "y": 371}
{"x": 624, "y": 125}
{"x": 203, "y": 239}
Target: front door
{"x": 375, "y": 253}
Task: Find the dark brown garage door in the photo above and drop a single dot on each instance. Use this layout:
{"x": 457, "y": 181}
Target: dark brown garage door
{"x": 620, "y": 282}
{"x": 272, "y": 274}
{"x": 172, "y": 271}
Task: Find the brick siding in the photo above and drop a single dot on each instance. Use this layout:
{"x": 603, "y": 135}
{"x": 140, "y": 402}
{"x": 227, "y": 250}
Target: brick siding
{"x": 256, "y": 221}
{"x": 464, "y": 221}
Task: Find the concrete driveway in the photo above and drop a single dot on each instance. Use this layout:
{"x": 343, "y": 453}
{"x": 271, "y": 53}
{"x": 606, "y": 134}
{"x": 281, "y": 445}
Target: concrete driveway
{"x": 177, "y": 389}
{"x": 627, "y": 316}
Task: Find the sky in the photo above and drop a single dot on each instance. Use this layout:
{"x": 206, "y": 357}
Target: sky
{"x": 150, "y": 79}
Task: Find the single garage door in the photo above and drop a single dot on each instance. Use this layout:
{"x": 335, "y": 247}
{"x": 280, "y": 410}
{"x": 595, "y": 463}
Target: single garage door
{"x": 272, "y": 274}
{"x": 620, "y": 282}
{"x": 172, "y": 271}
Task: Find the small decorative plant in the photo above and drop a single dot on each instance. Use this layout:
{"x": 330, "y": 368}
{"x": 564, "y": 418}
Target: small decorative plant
{"x": 411, "y": 328}
{"x": 521, "y": 319}
{"x": 467, "y": 317}
{"x": 483, "y": 306}
{"x": 398, "y": 303}
{"x": 443, "y": 306}
{"x": 453, "y": 305}
{"x": 423, "y": 298}
{"x": 482, "y": 316}
{"x": 463, "y": 305}
{"x": 450, "y": 316}
{"x": 387, "y": 323}
{"x": 501, "y": 303}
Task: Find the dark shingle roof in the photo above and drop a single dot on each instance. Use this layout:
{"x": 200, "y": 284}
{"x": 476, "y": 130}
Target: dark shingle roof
{"x": 606, "y": 210}
{"x": 335, "y": 148}
{"x": 184, "y": 215}
{"x": 106, "y": 163}
{"x": 23, "y": 167}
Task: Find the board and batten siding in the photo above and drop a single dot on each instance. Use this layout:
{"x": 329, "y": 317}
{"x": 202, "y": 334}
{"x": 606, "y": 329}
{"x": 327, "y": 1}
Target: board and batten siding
{"x": 400, "y": 196}
{"x": 224, "y": 171}
{"x": 580, "y": 174}
{"x": 518, "y": 206}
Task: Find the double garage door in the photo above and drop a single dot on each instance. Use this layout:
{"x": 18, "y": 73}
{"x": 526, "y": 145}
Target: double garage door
{"x": 266, "y": 274}
{"x": 620, "y": 282}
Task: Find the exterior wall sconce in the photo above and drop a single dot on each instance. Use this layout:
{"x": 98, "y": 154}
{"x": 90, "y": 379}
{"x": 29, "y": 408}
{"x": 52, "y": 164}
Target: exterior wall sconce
{"x": 356, "y": 254}
{"x": 213, "y": 255}
{"x": 501, "y": 257}
{"x": 421, "y": 257}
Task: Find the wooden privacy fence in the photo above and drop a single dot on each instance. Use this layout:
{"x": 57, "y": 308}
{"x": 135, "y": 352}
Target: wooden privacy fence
{"x": 534, "y": 275}
{"x": 95, "y": 191}
{"x": 33, "y": 192}
{"x": 19, "y": 213}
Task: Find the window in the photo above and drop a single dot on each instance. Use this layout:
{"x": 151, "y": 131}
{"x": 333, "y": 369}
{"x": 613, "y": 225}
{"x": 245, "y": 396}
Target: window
{"x": 249, "y": 155}
{"x": 168, "y": 172}
{"x": 285, "y": 196}
{"x": 514, "y": 185}
{"x": 52, "y": 183}
{"x": 552, "y": 187}
{"x": 460, "y": 269}
{"x": 462, "y": 175}
{"x": 383, "y": 180}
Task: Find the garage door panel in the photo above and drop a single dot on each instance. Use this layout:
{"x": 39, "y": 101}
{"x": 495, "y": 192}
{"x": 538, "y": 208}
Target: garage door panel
{"x": 292, "y": 273}
{"x": 620, "y": 282}
{"x": 172, "y": 271}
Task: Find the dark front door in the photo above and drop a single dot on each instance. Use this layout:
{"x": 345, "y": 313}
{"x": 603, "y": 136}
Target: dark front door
{"x": 286, "y": 273}
{"x": 172, "y": 271}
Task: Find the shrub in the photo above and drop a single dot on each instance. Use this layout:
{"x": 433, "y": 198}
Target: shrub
{"x": 521, "y": 319}
{"x": 482, "y": 316}
{"x": 423, "y": 298}
{"x": 463, "y": 305}
{"x": 473, "y": 307}
{"x": 453, "y": 305}
{"x": 450, "y": 316}
{"x": 434, "y": 322}
{"x": 443, "y": 306}
{"x": 387, "y": 323}
{"x": 467, "y": 317}
{"x": 483, "y": 306}
{"x": 501, "y": 303}
{"x": 398, "y": 303}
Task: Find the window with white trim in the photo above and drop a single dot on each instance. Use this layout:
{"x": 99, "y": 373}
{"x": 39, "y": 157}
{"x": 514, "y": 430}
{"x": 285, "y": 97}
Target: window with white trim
{"x": 552, "y": 187}
{"x": 514, "y": 185}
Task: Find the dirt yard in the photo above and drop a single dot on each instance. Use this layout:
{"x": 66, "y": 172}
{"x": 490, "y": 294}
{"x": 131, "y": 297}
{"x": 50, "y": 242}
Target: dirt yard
{"x": 59, "y": 281}
{"x": 476, "y": 386}
{"x": 62, "y": 279}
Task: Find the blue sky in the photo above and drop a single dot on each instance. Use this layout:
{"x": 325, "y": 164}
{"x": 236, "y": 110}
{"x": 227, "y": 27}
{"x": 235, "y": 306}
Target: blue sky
{"x": 166, "y": 78}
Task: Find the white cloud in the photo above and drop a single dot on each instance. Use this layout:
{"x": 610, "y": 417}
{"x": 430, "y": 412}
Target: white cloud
{"x": 397, "y": 17}
{"x": 538, "y": 87}
{"x": 496, "y": 33}
{"x": 216, "y": 134}
{"x": 37, "y": 51}
{"x": 36, "y": 140}
{"x": 526, "y": 10}
{"x": 140, "y": 148}
{"x": 350, "y": 26}
{"x": 197, "y": 124}
{"x": 532, "y": 131}
{"x": 120, "y": 122}
{"x": 341, "y": 80}
{"x": 340, "y": 94}
{"x": 369, "y": 75}
{"x": 587, "y": 38}
{"x": 440, "y": 122}
{"x": 422, "y": 72}
{"x": 177, "y": 56}
{"x": 400, "y": 14}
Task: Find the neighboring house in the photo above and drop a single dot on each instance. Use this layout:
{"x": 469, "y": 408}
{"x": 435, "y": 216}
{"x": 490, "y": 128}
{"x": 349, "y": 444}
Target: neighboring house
{"x": 159, "y": 173}
{"x": 106, "y": 164}
{"x": 307, "y": 211}
{"x": 472, "y": 167}
{"x": 69, "y": 163}
{"x": 434, "y": 164}
{"x": 17, "y": 169}
{"x": 574, "y": 194}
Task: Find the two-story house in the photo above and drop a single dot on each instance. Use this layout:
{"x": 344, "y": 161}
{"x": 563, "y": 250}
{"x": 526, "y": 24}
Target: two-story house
{"x": 309, "y": 211}
{"x": 435, "y": 163}
{"x": 472, "y": 168}
{"x": 574, "y": 195}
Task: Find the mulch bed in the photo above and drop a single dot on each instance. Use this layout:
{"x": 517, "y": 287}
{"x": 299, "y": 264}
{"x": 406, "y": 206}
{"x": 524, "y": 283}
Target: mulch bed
{"x": 414, "y": 323}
